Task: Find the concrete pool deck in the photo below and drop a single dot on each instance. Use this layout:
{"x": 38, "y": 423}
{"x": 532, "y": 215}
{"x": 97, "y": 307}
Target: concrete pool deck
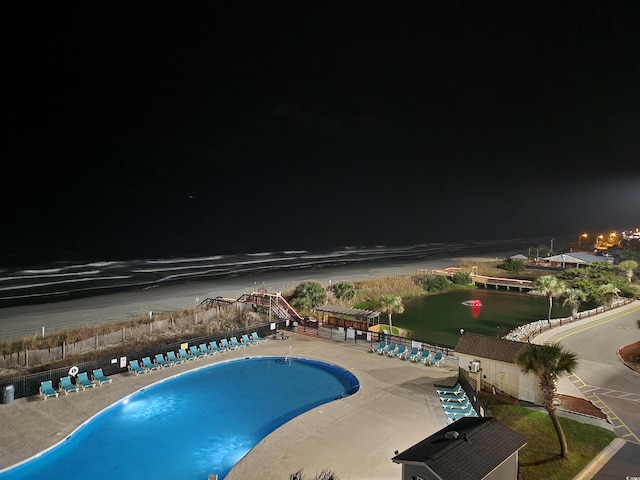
{"x": 354, "y": 437}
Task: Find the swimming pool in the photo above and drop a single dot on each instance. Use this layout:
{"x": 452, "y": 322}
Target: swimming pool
{"x": 192, "y": 425}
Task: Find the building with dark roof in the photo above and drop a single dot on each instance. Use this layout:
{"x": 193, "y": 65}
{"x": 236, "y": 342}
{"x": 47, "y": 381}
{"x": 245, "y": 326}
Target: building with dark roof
{"x": 492, "y": 361}
{"x": 472, "y": 448}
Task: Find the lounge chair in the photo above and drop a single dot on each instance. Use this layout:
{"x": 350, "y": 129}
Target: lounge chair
{"x": 455, "y": 406}
{"x": 206, "y": 350}
{"x": 415, "y": 351}
{"x": 248, "y": 341}
{"x": 194, "y": 351}
{"x": 255, "y": 336}
{"x": 135, "y": 367}
{"x": 236, "y": 343}
{"x": 423, "y": 356}
{"x": 400, "y": 352}
{"x": 83, "y": 380}
{"x": 67, "y": 386}
{"x": 216, "y": 348}
{"x": 449, "y": 390}
{"x": 225, "y": 344}
{"x": 161, "y": 361}
{"x": 436, "y": 360}
{"x": 47, "y": 390}
{"x": 460, "y": 397}
{"x": 186, "y": 355}
{"x": 149, "y": 365}
{"x": 389, "y": 348}
{"x": 380, "y": 347}
{"x": 172, "y": 357}
{"x": 461, "y": 412}
{"x": 100, "y": 377}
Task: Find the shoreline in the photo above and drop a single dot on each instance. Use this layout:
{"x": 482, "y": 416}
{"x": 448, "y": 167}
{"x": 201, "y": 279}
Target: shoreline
{"x": 28, "y": 320}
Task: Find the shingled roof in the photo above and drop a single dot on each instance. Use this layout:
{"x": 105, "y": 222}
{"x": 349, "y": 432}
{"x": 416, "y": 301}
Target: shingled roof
{"x": 473, "y": 449}
{"x": 493, "y": 348}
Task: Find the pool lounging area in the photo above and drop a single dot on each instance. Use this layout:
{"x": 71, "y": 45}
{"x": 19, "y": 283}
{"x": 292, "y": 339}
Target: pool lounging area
{"x": 337, "y": 435}
{"x": 209, "y": 417}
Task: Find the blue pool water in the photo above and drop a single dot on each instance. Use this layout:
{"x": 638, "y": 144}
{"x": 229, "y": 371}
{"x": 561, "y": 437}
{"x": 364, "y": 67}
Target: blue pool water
{"x": 192, "y": 425}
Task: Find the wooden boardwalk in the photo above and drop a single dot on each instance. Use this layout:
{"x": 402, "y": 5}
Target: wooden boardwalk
{"x": 498, "y": 282}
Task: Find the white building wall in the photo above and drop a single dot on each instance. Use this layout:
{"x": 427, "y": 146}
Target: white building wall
{"x": 505, "y": 377}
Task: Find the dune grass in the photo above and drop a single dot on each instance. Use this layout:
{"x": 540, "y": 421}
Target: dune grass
{"x": 540, "y": 457}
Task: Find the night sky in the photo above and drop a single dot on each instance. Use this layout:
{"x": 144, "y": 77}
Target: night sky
{"x": 166, "y": 128}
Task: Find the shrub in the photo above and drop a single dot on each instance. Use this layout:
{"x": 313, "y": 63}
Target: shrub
{"x": 461, "y": 278}
{"x": 433, "y": 283}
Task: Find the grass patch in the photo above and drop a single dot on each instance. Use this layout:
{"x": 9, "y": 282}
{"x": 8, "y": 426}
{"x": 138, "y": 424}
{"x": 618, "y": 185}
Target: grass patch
{"x": 540, "y": 457}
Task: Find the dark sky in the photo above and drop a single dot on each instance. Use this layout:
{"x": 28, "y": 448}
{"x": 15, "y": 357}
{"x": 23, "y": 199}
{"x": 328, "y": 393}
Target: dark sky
{"x": 220, "y": 126}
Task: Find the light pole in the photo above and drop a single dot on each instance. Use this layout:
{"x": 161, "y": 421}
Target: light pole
{"x": 584, "y": 235}
{"x": 552, "y": 246}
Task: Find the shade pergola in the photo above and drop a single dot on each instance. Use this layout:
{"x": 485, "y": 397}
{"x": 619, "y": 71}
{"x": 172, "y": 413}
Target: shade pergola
{"x": 348, "y": 317}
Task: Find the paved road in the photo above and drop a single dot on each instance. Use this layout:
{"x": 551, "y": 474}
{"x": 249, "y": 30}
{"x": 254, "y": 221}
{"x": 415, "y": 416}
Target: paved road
{"x": 606, "y": 381}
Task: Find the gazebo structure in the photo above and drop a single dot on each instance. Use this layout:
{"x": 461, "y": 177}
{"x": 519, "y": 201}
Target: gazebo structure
{"x": 347, "y": 317}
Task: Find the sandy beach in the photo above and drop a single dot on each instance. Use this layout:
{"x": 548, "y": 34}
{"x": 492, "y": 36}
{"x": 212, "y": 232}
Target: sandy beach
{"x": 28, "y": 320}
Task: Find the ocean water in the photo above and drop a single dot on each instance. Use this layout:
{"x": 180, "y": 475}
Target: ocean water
{"x": 64, "y": 280}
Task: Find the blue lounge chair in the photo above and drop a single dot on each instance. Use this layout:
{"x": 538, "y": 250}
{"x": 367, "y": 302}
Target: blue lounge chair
{"x": 216, "y": 348}
{"x": 225, "y": 343}
{"x": 161, "y": 361}
{"x": 459, "y": 397}
{"x": 206, "y": 350}
{"x": 47, "y": 390}
{"x": 236, "y": 343}
{"x": 436, "y": 360}
{"x": 423, "y": 356}
{"x": 381, "y": 346}
{"x": 67, "y": 386}
{"x": 400, "y": 352}
{"x": 255, "y": 336}
{"x": 194, "y": 351}
{"x": 149, "y": 365}
{"x": 389, "y": 348}
{"x": 99, "y": 377}
{"x": 83, "y": 380}
{"x": 172, "y": 357}
{"x": 415, "y": 351}
{"x": 468, "y": 411}
{"x": 248, "y": 341}
{"x": 135, "y": 367}
{"x": 186, "y": 355}
{"x": 449, "y": 390}
{"x": 455, "y": 406}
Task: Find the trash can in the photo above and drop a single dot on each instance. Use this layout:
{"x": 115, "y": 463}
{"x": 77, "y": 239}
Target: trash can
{"x": 7, "y": 394}
{"x": 295, "y": 327}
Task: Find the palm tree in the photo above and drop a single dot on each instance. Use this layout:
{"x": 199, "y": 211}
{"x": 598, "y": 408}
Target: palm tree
{"x": 628, "y": 266}
{"x": 548, "y": 362}
{"x": 549, "y": 286}
{"x": 573, "y": 297}
{"x": 391, "y": 304}
{"x": 609, "y": 290}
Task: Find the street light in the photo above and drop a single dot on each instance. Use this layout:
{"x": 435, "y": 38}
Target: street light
{"x": 584, "y": 235}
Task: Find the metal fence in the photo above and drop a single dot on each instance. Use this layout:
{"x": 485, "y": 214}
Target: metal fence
{"x": 28, "y": 385}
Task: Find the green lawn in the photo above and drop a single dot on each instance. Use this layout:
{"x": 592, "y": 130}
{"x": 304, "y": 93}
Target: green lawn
{"x": 540, "y": 457}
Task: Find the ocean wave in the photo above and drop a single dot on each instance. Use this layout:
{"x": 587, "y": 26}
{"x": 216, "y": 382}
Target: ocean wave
{"x": 68, "y": 280}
